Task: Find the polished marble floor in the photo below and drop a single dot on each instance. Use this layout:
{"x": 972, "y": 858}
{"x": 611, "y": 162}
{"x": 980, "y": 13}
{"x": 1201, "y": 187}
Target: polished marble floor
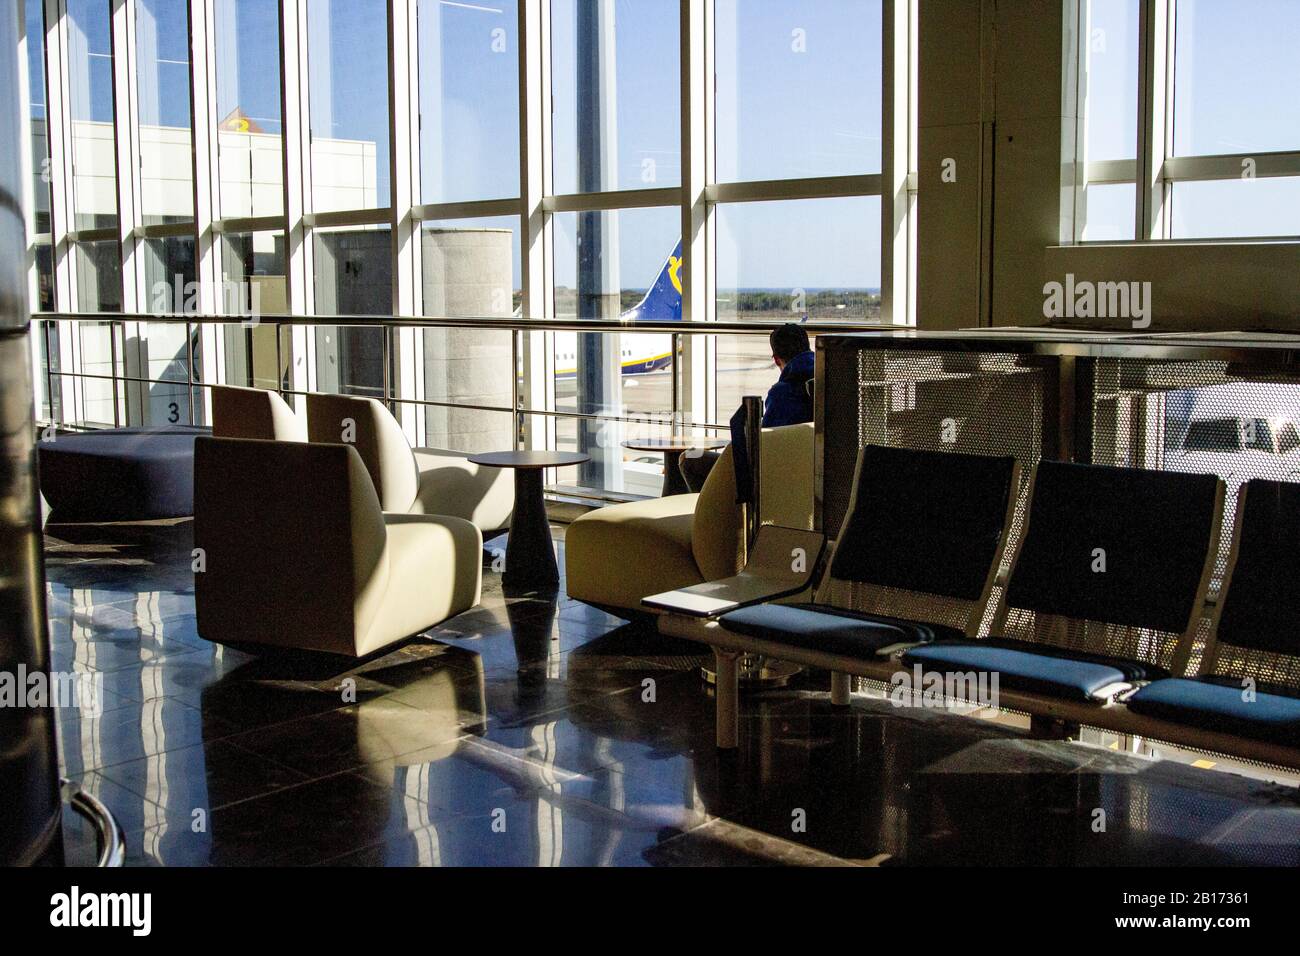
{"x": 536, "y": 731}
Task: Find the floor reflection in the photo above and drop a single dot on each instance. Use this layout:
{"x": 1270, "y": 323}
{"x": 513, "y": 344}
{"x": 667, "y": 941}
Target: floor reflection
{"x": 535, "y": 731}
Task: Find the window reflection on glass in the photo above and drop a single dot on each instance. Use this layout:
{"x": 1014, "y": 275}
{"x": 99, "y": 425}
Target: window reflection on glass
{"x": 162, "y": 32}
{"x": 799, "y": 259}
{"x": 348, "y": 92}
{"x": 1235, "y": 77}
{"x": 250, "y": 147}
{"x": 354, "y": 276}
{"x": 469, "y": 100}
{"x": 1234, "y": 208}
{"x": 253, "y": 273}
{"x": 1109, "y": 212}
{"x": 616, "y": 91}
{"x": 90, "y": 105}
{"x": 170, "y": 286}
{"x": 254, "y": 285}
{"x": 798, "y": 88}
{"x": 99, "y": 276}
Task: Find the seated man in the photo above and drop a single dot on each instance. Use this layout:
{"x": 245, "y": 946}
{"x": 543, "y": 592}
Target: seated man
{"x": 788, "y": 400}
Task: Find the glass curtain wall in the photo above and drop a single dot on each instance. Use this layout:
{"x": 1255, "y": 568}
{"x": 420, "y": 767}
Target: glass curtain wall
{"x": 504, "y": 161}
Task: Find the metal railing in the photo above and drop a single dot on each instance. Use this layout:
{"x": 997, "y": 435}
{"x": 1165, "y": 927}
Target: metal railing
{"x": 192, "y": 383}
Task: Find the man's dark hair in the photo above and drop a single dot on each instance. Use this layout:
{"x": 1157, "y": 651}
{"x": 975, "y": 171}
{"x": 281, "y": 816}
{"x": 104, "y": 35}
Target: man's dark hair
{"x": 788, "y": 341}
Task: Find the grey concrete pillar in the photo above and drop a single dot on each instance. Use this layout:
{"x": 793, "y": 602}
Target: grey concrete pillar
{"x": 468, "y": 273}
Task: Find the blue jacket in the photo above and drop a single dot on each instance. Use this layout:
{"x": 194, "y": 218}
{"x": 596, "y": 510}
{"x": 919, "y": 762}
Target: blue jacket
{"x": 788, "y": 401}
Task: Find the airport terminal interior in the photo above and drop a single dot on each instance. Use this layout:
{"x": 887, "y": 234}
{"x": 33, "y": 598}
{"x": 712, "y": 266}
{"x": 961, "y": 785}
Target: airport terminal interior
{"x": 623, "y": 433}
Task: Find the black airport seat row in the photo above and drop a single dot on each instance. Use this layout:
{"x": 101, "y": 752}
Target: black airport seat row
{"x": 1101, "y": 617}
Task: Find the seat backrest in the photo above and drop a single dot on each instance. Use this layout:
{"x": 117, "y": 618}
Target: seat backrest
{"x": 1257, "y": 626}
{"x": 786, "y": 476}
{"x": 923, "y": 535}
{"x": 1114, "y": 561}
{"x": 369, "y": 427}
{"x": 717, "y": 532}
{"x": 239, "y": 412}
{"x": 286, "y": 531}
{"x": 785, "y": 495}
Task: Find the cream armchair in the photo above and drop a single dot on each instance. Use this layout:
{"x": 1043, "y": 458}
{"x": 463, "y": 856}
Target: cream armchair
{"x": 295, "y": 552}
{"x": 239, "y": 412}
{"x": 411, "y": 480}
{"x": 617, "y": 555}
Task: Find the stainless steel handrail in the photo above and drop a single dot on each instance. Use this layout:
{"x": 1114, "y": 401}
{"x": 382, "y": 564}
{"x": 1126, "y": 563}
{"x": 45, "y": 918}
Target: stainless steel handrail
{"x": 504, "y": 324}
{"x": 108, "y": 833}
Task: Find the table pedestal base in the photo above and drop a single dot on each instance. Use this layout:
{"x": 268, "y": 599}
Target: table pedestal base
{"x": 674, "y": 481}
{"x": 530, "y": 551}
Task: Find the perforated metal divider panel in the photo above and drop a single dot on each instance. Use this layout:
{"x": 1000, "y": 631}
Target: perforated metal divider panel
{"x": 967, "y": 402}
{"x": 1236, "y": 420}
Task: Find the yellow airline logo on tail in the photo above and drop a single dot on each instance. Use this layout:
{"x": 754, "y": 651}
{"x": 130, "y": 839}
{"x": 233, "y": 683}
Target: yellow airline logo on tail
{"x": 675, "y": 272}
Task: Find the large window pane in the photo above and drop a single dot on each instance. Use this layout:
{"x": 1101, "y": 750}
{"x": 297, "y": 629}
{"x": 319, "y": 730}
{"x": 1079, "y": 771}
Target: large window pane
{"x": 615, "y": 89}
{"x": 469, "y": 101}
{"x": 798, "y": 88}
{"x": 1236, "y": 77}
{"x": 96, "y": 349}
{"x": 1110, "y": 214}
{"x": 157, "y": 359}
{"x": 90, "y": 103}
{"x": 799, "y": 259}
{"x": 348, "y": 52}
{"x": 99, "y": 276}
{"x": 250, "y": 147}
{"x": 1233, "y": 208}
{"x": 253, "y": 273}
{"x": 354, "y": 276}
{"x": 1112, "y": 81}
{"x": 36, "y": 111}
{"x": 170, "y": 276}
{"x": 610, "y": 265}
{"x": 470, "y": 268}
{"x": 254, "y": 285}
{"x": 162, "y": 36}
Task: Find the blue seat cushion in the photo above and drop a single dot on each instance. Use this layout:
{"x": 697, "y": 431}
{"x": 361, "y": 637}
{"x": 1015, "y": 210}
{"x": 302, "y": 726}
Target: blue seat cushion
{"x": 823, "y": 627}
{"x": 1034, "y": 668}
{"x": 1215, "y": 705}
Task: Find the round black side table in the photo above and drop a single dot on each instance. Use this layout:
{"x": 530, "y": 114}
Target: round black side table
{"x": 530, "y": 553}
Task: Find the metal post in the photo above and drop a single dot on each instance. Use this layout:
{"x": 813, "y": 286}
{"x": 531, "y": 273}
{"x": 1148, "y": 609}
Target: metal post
{"x": 753, "y": 406}
{"x": 599, "y": 294}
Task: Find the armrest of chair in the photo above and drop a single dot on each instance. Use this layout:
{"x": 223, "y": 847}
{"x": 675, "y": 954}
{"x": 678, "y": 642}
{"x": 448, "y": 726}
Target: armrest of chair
{"x": 782, "y": 562}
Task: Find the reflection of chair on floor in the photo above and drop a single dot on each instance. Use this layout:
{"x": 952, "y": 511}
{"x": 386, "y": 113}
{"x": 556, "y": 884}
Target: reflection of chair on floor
{"x": 439, "y": 705}
{"x": 412, "y": 480}
{"x": 617, "y": 555}
{"x": 296, "y": 552}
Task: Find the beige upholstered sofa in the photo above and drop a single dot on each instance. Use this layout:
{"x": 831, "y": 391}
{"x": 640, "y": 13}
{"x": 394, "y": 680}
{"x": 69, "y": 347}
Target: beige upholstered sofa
{"x": 617, "y": 555}
{"x": 254, "y": 413}
{"x": 295, "y": 552}
{"x": 411, "y": 480}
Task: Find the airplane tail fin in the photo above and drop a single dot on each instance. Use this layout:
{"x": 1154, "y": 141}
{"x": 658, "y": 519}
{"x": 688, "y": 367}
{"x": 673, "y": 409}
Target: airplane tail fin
{"x": 663, "y": 302}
